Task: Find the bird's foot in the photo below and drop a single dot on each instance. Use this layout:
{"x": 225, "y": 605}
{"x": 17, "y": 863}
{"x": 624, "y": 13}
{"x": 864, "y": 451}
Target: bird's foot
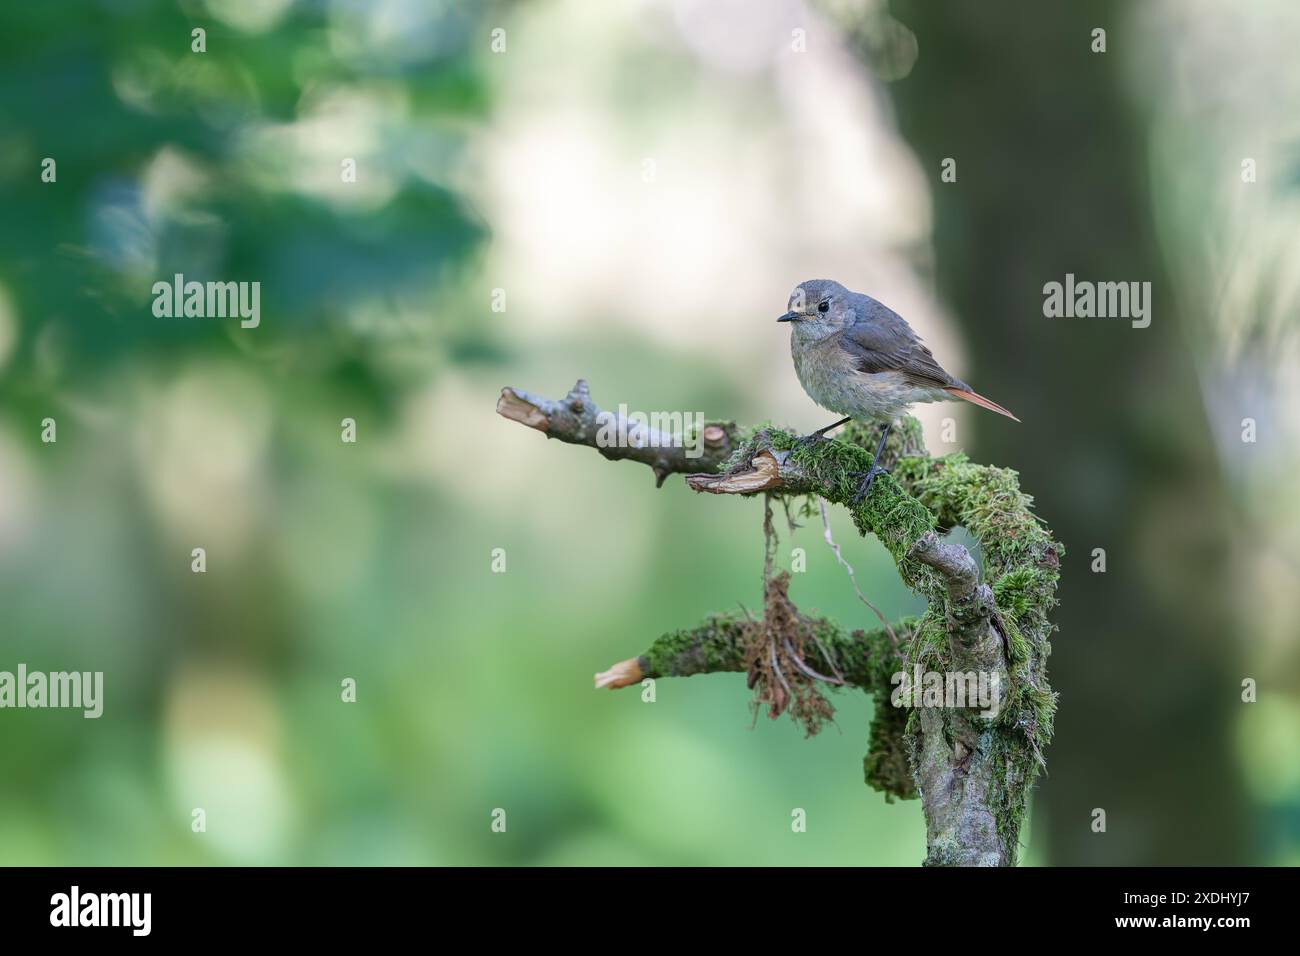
{"x": 807, "y": 441}
{"x": 868, "y": 480}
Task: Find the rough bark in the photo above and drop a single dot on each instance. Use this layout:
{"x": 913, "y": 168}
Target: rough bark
{"x": 577, "y": 420}
{"x": 972, "y": 768}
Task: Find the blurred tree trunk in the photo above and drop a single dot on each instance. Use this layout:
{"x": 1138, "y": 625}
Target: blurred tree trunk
{"x": 1051, "y": 179}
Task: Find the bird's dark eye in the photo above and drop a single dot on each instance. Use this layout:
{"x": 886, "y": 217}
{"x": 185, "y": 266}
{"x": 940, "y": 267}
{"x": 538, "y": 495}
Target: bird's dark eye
{"x": 824, "y": 306}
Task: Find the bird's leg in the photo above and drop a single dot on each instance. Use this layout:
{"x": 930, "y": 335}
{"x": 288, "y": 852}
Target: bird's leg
{"x": 869, "y": 478}
{"x": 819, "y": 434}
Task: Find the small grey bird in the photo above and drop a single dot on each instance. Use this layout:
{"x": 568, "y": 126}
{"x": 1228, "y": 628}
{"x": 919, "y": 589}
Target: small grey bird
{"x": 861, "y": 359}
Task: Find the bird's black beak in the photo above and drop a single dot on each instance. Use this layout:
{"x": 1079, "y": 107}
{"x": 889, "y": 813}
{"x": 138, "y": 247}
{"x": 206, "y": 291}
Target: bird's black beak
{"x": 790, "y": 317}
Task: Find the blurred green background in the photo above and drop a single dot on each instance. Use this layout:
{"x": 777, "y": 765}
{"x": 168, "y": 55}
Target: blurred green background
{"x": 641, "y": 184}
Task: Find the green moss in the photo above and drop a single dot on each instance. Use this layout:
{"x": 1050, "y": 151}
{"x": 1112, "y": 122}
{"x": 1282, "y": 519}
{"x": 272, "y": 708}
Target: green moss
{"x": 896, "y": 518}
{"x": 1021, "y": 563}
{"x": 887, "y": 766}
{"x": 714, "y": 646}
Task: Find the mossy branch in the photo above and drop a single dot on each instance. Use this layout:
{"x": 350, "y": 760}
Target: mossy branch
{"x": 973, "y": 770}
{"x": 718, "y": 646}
{"x": 865, "y": 659}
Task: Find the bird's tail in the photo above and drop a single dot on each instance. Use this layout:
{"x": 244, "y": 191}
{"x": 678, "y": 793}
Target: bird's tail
{"x": 977, "y": 399}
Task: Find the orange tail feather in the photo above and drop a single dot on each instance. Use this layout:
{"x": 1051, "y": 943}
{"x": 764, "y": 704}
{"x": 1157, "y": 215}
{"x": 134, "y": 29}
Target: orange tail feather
{"x": 981, "y": 401}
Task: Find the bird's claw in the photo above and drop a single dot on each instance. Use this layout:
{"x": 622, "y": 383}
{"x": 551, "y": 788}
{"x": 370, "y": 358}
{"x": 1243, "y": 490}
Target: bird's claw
{"x": 868, "y": 480}
{"x": 807, "y": 441}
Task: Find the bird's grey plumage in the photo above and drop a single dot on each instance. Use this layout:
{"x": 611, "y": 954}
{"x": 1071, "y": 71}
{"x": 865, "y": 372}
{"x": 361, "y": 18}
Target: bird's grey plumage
{"x": 856, "y": 356}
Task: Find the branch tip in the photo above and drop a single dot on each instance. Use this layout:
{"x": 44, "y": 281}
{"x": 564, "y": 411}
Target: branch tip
{"x": 622, "y": 674}
{"x": 519, "y": 407}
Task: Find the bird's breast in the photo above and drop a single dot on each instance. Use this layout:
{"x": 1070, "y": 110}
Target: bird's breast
{"x": 826, "y": 373}
{"x": 831, "y": 378}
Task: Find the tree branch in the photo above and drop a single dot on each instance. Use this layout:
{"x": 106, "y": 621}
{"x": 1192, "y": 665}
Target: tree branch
{"x": 868, "y": 660}
{"x": 577, "y": 420}
{"x": 972, "y": 769}
{"x": 718, "y": 646}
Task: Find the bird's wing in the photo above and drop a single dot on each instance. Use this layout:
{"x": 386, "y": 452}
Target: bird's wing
{"x": 893, "y": 347}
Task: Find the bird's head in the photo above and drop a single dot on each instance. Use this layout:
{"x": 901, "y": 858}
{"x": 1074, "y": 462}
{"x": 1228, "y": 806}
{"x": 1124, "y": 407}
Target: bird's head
{"x": 818, "y": 308}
